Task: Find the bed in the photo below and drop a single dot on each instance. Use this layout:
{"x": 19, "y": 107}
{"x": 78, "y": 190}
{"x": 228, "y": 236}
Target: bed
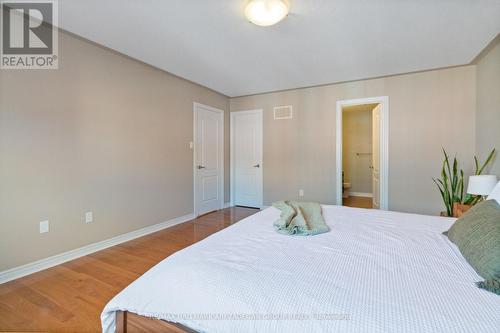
{"x": 375, "y": 271}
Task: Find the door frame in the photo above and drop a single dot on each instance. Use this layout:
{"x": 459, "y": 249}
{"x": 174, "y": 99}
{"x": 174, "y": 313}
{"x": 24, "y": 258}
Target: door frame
{"x": 383, "y": 146}
{"x": 232, "y": 153}
{"x": 197, "y": 105}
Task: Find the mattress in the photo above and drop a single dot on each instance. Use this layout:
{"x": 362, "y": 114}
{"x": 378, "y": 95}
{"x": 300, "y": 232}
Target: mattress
{"x": 375, "y": 271}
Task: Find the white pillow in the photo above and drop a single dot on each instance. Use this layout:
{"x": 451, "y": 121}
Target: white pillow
{"x": 495, "y": 194}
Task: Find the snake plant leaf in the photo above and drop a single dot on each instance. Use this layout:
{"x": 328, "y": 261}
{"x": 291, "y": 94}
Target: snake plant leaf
{"x": 475, "y": 199}
{"x": 488, "y": 160}
{"x": 458, "y": 196}
{"x": 440, "y": 182}
{"x": 454, "y": 174}
{"x": 444, "y": 175}
{"x": 461, "y": 185}
{"x": 439, "y": 186}
{"x": 468, "y": 199}
{"x": 447, "y": 162}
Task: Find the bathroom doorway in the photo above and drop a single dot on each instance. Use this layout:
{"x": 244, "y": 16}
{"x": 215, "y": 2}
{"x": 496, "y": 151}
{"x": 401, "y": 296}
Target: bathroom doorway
{"x": 362, "y": 153}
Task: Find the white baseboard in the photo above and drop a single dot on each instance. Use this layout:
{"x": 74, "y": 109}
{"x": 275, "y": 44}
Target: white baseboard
{"x": 231, "y": 204}
{"x": 360, "y": 194}
{"x": 20, "y": 271}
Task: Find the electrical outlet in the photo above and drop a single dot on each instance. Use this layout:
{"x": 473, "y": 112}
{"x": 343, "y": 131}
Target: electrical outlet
{"x": 89, "y": 217}
{"x": 44, "y": 226}
{"x": 191, "y": 145}
{"x": 301, "y": 193}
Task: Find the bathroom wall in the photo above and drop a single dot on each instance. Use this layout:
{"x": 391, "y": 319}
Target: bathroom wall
{"x": 357, "y": 148}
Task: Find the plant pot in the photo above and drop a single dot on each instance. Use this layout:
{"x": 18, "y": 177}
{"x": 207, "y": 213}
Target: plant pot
{"x": 459, "y": 209}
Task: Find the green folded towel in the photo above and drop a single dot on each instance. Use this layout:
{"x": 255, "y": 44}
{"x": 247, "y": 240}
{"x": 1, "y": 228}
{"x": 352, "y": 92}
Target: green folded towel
{"x": 300, "y": 218}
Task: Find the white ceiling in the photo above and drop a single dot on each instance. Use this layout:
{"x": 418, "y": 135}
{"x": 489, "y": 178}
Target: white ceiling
{"x": 321, "y": 41}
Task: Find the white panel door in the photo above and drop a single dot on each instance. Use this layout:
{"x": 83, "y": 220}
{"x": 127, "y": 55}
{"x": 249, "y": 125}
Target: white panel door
{"x": 246, "y": 149}
{"x": 376, "y": 156}
{"x": 209, "y": 149}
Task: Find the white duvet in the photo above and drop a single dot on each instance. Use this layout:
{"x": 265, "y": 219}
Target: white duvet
{"x": 375, "y": 271}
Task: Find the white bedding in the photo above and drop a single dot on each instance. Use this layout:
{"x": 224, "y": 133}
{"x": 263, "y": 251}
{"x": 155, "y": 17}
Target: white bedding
{"x": 375, "y": 271}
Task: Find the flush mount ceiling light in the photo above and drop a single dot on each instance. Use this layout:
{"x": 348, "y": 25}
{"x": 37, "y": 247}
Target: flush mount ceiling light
{"x": 266, "y": 12}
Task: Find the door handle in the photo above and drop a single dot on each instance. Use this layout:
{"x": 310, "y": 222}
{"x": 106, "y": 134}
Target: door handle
{"x": 256, "y": 166}
{"x": 200, "y": 167}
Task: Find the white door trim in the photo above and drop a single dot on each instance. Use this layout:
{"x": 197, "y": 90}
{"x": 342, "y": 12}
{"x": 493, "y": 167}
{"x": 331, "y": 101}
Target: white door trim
{"x": 232, "y": 154}
{"x": 196, "y": 105}
{"x": 384, "y": 146}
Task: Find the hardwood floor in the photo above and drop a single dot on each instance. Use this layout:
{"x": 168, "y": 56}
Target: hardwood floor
{"x": 71, "y": 296}
{"x": 360, "y": 202}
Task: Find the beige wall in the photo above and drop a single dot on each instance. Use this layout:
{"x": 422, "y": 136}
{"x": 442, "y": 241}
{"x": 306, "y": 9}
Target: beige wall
{"x": 103, "y": 133}
{"x": 488, "y": 105}
{"x": 110, "y": 134}
{"x": 357, "y": 148}
{"x": 427, "y": 111}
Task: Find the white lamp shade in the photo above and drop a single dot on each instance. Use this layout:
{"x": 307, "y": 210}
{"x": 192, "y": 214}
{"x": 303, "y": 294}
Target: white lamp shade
{"x": 482, "y": 184}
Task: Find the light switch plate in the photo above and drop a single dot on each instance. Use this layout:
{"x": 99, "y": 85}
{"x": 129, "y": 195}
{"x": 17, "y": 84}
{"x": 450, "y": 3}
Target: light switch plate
{"x": 88, "y": 217}
{"x": 44, "y": 226}
{"x": 301, "y": 193}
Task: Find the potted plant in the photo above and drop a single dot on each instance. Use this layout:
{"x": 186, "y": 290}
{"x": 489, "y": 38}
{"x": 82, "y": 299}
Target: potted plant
{"x": 451, "y": 185}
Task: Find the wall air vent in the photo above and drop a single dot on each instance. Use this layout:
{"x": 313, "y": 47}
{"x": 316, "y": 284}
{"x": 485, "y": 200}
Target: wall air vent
{"x": 283, "y": 112}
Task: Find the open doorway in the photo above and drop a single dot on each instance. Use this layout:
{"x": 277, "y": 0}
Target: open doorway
{"x": 362, "y": 153}
{"x": 359, "y": 151}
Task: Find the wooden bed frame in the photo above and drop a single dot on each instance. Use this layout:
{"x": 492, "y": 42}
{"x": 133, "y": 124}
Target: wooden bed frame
{"x": 122, "y": 322}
